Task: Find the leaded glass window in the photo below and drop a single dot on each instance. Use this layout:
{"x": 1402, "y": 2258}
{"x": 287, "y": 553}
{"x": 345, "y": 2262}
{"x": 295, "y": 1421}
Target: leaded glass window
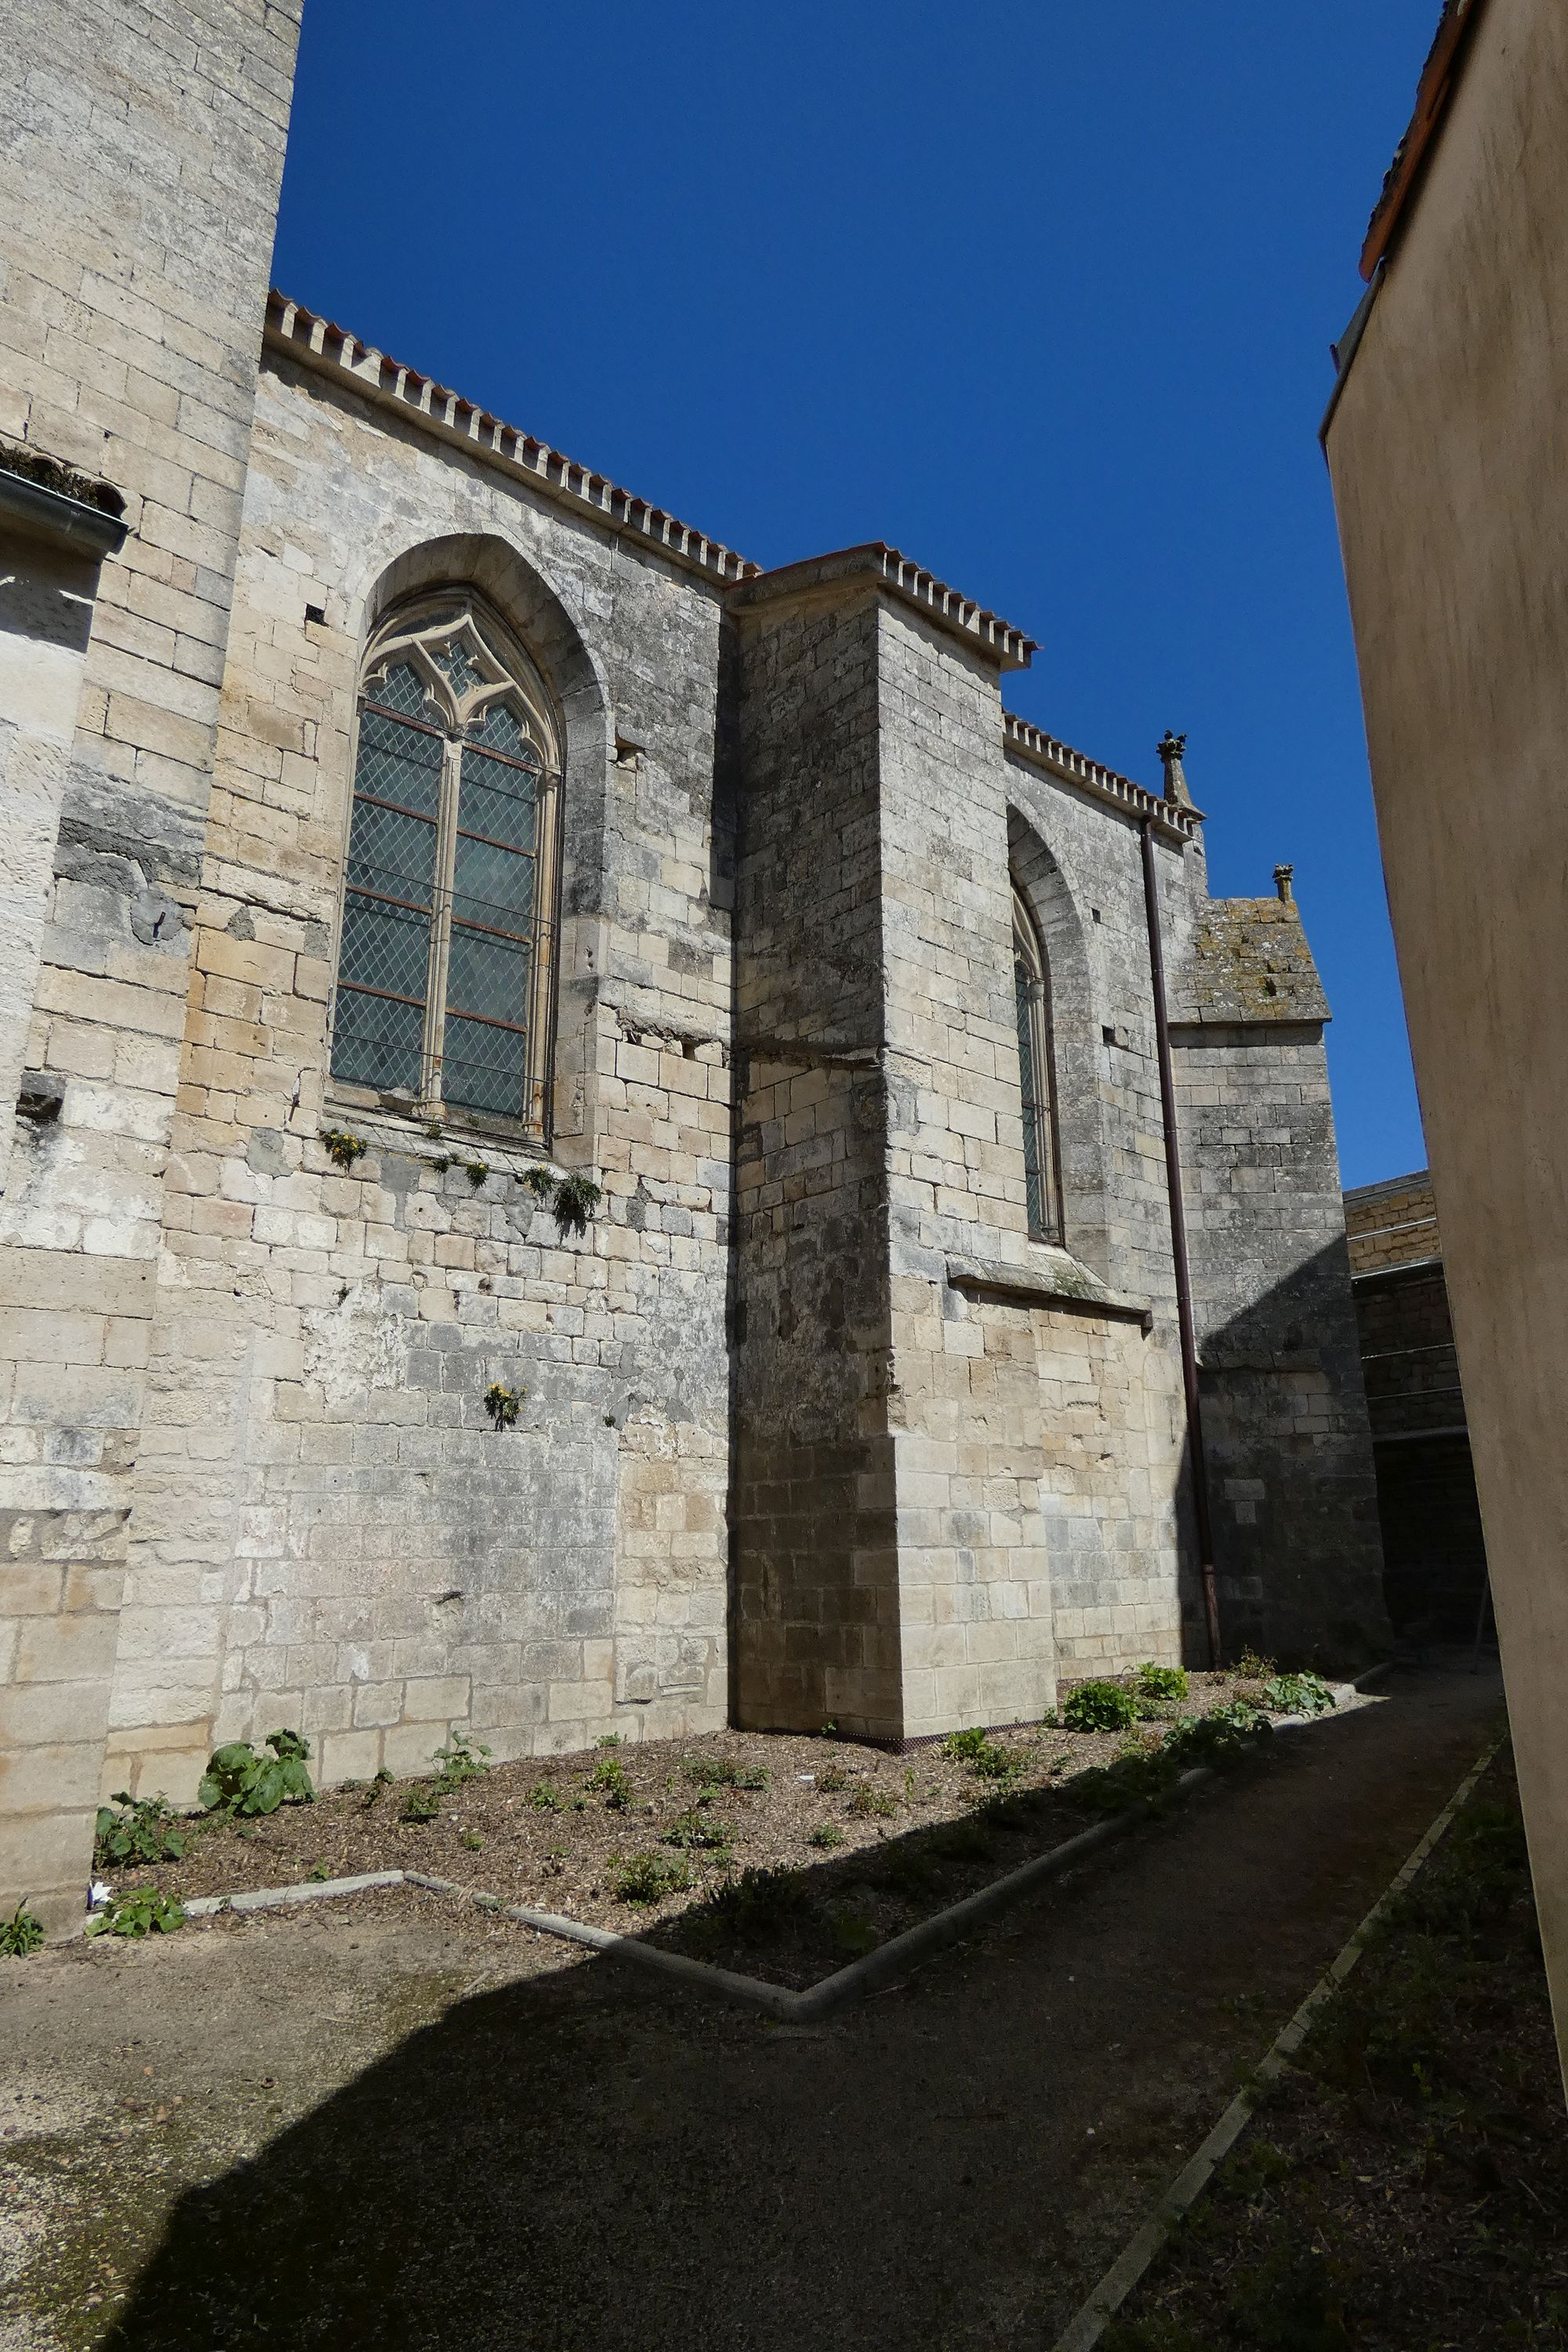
{"x": 1031, "y": 985}
{"x": 445, "y": 963}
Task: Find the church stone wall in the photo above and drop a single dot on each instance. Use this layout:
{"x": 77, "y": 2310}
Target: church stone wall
{"x": 141, "y": 152}
{"x": 328, "y": 1530}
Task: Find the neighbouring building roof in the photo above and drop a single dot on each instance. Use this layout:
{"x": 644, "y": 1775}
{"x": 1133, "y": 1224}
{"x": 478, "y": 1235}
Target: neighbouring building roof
{"x": 1444, "y": 63}
{"x": 1250, "y": 962}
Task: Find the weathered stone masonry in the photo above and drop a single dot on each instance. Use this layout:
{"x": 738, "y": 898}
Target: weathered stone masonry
{"x": 811, "y": 1426}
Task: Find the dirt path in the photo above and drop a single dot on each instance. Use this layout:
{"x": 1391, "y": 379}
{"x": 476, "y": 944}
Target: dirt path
{"x": 397, "y": 2126}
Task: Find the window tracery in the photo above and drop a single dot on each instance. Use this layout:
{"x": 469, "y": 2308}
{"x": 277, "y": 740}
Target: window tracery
{"x": 445, "y": 954}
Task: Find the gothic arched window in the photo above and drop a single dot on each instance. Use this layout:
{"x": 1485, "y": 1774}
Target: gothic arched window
{"x": 445, "y": 961}
{"x": 1031, "y": 982}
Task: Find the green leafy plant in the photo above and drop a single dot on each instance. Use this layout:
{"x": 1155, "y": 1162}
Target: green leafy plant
{"x": 826, "y": 1835}
{"x": 987, "y": 1757}
{"x": 853, "y": 1934}
{"x": 1303, "y": 1694}
{"x": 554, "y": 1862}
{"x": 143, "y": 1911}
{"x": 759, "y": 1901}
{"x": 540, "y": 1181}
{"x": 1161, "y": 1682}
{"x": 143, "y": 1829}
{"x": 649, "y": 1878}
{"x": 472, "y": 1841}
{"x": 239, "y": 1781}
{"x": 576, "y": 1198}
{"x": 833, "y": 1780}
{"x": 343, "y": 1147}
{"x": 611, "y": 1781}
{"x": 475, "y": 1171}
{"x": 318, "y": 1873}
{"x": 870, "y": 1799}
{"x": 1250, "y": 1668}
{"x": 700, "y": 1830}
{"x": 460, "y": 1761}
{"x": 1100, "y": 1706}
{"x": 373, "y": 1795}
{"x": 423, "y": 1802}
{"x": 724, "y": 1772}
{"x": 503, "y": 1404}
{"x": 22, "y": 1933}
{"x": 546, "y": 1798}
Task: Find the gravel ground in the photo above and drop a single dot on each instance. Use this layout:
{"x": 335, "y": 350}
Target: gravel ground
{"x": 393, "y": 2121}
{"x": 868, "y": 1843}
{"x": 1405, "y": 2187}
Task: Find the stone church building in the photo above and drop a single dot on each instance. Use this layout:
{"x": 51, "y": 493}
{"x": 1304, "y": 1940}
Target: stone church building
{"x": 401, "y": 825}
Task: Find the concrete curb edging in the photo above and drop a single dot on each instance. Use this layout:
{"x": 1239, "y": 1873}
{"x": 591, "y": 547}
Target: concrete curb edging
{"x": 1088, "y": 2323}
{"x": 889, "y": 1959}
{"x": 860, "y": 1977}
{"x": 274, "y": 1898}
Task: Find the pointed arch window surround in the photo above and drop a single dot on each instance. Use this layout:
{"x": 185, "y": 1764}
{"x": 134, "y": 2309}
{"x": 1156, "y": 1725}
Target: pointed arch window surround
{"x": 1031, "y": 982}
{"x": 445, "y": 956}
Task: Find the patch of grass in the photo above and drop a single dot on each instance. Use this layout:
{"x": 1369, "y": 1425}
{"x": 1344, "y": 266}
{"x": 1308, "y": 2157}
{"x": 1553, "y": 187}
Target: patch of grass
{"x": 240, "y": 1782}
{"x": 758, "y": 1902}
{"x": 649, "y": 1878}
{"x": 701, "y": 1833}
{"x": 22, "y": 1933}
{"x": 724, "y": 1772}
{"x": 143, "y": 1911}
{"x": 472, "y": 1841}
{"x": 985, "y": 1757}
{"x": 964, "y": 1840}
{"x": 1100, "y": 1706}
{"x": 145, "y": 1830}
{"x": 853, "y": 1935}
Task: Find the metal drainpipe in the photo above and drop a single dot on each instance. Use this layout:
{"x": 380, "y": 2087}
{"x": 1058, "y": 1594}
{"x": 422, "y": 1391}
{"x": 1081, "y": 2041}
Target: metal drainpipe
{"x": 1179, "y": 1249}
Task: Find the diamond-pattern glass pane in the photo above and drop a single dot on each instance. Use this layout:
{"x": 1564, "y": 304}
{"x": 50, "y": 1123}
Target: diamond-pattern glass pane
{"x": 398, "y": 763}
{"x": 491, "y": 887}
{"x": 1034, "y": 1083}
{"x": 384, "y": 962}
{"x": 486, "y": 1066}
{"x": 377, "y": 1043}
{"x": 400, "y": 688}
{"x": 498, "y": 800}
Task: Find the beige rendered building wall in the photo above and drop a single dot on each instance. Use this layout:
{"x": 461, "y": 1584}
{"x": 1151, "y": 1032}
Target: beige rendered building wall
{"x": 1449, "y": 461}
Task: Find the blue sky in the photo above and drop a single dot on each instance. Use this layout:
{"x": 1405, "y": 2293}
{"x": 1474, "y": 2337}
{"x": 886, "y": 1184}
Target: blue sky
{"x": 1042, "y": 297}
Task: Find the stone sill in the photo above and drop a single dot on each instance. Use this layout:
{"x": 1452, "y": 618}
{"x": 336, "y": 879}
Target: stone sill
{"x": 50, "y": 514}
{"x": 1054, "y": 1279}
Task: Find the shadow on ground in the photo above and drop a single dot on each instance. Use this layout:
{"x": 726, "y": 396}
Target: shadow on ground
{"x": 584, "y": 2160}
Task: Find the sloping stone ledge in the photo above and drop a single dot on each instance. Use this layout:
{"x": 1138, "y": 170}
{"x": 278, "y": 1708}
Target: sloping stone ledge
{"x": 1054, "y": 1280}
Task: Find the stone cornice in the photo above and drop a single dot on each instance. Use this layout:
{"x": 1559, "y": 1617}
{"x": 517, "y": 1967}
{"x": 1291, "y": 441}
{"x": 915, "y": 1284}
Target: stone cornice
{"x": 1058, "y": 760}
{"x": 429, "y": 407}
{"x": 984, "y": 633}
